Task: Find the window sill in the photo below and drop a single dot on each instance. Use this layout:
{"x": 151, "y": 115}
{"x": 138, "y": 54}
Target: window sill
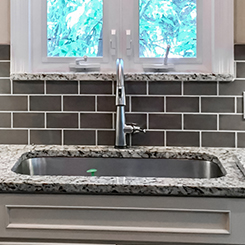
{"x": 69, "y": 76}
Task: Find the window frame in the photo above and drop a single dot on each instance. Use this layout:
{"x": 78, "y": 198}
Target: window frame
{"x": 28, "y": 46}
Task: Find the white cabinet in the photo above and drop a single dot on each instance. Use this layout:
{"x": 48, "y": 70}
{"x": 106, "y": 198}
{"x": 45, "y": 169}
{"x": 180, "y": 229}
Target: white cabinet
{"x": 114, "y": 219}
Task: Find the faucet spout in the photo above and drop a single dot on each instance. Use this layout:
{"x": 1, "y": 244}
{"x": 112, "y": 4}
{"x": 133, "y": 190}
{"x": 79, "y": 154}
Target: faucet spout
{"x": 121, "y": 128}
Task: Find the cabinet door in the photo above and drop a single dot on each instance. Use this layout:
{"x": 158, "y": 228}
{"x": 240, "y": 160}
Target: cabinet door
{"x": 123, "y": 219}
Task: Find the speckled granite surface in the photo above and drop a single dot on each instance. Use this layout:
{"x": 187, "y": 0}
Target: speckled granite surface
{"x": 128, "y": 76}
{"x": 230, "y": 185}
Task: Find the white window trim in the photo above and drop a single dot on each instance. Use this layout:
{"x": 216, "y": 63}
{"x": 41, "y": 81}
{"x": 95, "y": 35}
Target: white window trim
{"x": 24, "y": 17}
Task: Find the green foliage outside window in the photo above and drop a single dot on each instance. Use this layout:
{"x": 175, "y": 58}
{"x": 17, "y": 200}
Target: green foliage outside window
{"x": 74, "y": 28}
{"x": 167, "y": 22}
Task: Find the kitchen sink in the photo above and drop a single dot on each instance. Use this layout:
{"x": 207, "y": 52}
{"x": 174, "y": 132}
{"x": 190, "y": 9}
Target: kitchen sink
{"x": 135, "y": 167}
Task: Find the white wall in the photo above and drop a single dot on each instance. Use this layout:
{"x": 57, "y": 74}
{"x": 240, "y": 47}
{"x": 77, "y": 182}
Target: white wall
{"x": 4, "y": 22}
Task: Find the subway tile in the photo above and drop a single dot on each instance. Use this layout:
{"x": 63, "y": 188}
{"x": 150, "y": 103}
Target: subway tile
{"x": 108, "y": 103}
{"x": 234, "y": 122}
{"x": 13, "y": 103}
{"x": 232, "y": 88}
{"x": 240, "y": 70}
{"x": 106, "y": 137}
{"x": 183, "y": 139}
{"x": 28, "y": 87}
{"x": 241, "y": 140}
{"x": 200, "y": 122}
{"x": 62, "y": 87}
{"x": 5, "y": 120}
{"x": 4, "y": 52}
{"x": 218, "y": 139}
{"x": 135, "y": 87}
{"x": 4, "y": 69}
{"x": 45, "y": 137}
{"x": 239, "y": 52}
{"x": 165, "y": 88}
{"x": 79, "y": 103}
{"x": 239, "y": 105}
{"x": 200, "y": 88}
{"x": 96, "y": 87}
{"x": 150, "y": 138}
{"x": 217, "y": 104}
{"x": 96, "y": 120}
{"x": 147, "y": 104}
{"x": 28, "y": 120}
{"x": 62, "y": 120}
{"x": 13, "y": 137}
{"x": 139, "y": 119}
{"x": 166, "y": 121}
{"x": 45, "y": 103}
{"x": 182, "y": 104}
{"x": 5, "y": 87}
{"x": 79, "y": 137}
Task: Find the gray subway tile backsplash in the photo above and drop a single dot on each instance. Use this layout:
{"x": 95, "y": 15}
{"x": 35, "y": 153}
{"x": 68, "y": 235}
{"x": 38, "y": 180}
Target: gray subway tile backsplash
{"x": 147, "y": 104}
{"x": 182, "y": 104}
{"x": 175, "y": 113}
{"x": 5, "y": 120}
{"x": 13, "y": 103}
{"x": 62, "y": 120}
{"x": 200, "y": 122}
{"x": 165, "y": 88}
{"x": 5, "y": 87}
{"x": 13, "y": 136}
{"x": 79, "y": 137}
{"x": 165, "y": 121}
{"x": 200, "y": 88}
{"x": 218, "y": 139}
{"x": 45, "y": 103}
{"x": 79, "y": 103}
{"x": 96, "y": 87}
{"x": 28, "y": 87}
{"x": 28, "y": 120}
{"x": 62, "y": 87}
{"x": 182, "y": 138}
{"x": 4, "y": 52}
{"x": 96, "y": 120}
{"x": 45, "y": 137}
{"x": 218, "y": 104}
{"x": 4, "y": 69}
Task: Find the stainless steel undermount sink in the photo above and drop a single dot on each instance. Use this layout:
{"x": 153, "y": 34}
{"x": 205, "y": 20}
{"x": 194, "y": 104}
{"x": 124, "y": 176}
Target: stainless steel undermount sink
{"x": 135, "y": 167}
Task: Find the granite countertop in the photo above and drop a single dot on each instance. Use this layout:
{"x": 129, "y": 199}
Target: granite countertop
{"x": 146, "y": 76}
{"x": 230, "y": 185}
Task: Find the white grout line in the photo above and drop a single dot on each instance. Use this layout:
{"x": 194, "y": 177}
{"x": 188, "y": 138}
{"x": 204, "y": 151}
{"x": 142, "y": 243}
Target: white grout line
{"x": 11, "y": 87}
{"x": 12, "y": 120}
{"x": 165, "y": 137}
{"x": 147, "y": 87}
{"x": 45, "y": 87}
{"x": 29, "y": 136}
{"x": 62, "y": 136}
{"x": 236, "y": 137}
{"x": 96, "y": 137}
{"x": 217, "y": 88}
{"x": 200, "y": 139}
{"x": 5, "y": 61}
{"x": 79, "y": 120}
{"x": 182, "y": 121}
{"x": 45, "y": 120}
{"x": 165, "y": 104}
{"x": 147, "y": 121}
{"x": 62, "y": 104}
{"x": 200, "y": 104}
{"x": 96, "y": 103}
{"x": 79, "y": 87}
{"x": 182, "y": 88}
{"x": 28, "y": 103}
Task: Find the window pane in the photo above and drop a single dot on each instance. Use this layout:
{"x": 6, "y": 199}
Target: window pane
{"x": 74, "y": 28}
{"x": 167, "y": 22}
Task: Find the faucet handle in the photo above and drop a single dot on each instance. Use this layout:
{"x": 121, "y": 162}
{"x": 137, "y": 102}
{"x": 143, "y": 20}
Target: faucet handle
{"x": 136, "y": 128}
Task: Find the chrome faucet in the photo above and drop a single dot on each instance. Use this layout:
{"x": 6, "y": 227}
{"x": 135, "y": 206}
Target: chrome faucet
{"x": 121, "y": 128}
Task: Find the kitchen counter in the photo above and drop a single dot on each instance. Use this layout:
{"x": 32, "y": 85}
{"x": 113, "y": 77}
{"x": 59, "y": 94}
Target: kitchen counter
{"x": 230, "y": 185}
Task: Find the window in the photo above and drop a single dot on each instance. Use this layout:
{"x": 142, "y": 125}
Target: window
{"x": 49, "y": 35}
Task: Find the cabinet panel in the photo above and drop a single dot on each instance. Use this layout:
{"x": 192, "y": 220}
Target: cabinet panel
{"x": 130, "y": 219}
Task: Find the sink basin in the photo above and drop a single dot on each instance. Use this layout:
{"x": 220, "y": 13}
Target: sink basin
{"x": 135, "y": 167}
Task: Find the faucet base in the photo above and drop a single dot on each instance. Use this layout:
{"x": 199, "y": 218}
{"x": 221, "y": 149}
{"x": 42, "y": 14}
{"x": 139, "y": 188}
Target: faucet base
{"x": 121, "y": 147}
